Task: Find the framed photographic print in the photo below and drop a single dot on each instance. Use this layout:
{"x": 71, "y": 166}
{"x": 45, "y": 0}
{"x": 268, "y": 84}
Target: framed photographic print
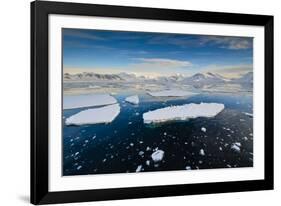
{"x": 131, "y": 102}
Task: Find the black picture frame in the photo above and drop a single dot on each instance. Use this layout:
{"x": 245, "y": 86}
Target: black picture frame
{"x": 39, "y": 101}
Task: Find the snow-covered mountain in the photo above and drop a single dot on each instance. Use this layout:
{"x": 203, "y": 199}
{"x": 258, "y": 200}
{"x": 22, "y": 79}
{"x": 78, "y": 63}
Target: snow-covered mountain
{"x": 206, "y": 78}
{"x": 196, "y": 79}
{"x": 90, "y": 76}
{"x": 244, "y": 79}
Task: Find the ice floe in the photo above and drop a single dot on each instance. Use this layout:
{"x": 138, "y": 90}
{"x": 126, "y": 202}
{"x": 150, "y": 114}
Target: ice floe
{"x": 88, "y": 100}
{"x": 133, "y": 99}
{"x": 104, "y": 114}
{"x": 171, "y": 93}
{"x": 183, "y": 112}
{"x": 157, "y": 156}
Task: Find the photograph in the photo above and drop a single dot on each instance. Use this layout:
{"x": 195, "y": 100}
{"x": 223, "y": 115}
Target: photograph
{"x": 147, "y": 102}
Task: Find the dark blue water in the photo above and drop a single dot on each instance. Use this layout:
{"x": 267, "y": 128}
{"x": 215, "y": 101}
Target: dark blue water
{"x": 127, "y": 143}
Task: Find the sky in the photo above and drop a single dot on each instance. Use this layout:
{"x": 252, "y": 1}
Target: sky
{"x": 155, "y": 54}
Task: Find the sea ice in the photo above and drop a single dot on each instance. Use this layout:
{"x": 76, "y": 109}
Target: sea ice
{"x": 133, "y": 99}
{"x": 171, "y": 93}
{"x": 157, "y": 156}
{"x": 88, "y": 100}
{"x": 182, "y": 112}
{"x": 104, "y": 114}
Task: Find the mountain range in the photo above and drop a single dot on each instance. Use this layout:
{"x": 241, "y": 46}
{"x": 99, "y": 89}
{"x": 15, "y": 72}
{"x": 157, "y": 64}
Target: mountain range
{"x": 198, "y": 78}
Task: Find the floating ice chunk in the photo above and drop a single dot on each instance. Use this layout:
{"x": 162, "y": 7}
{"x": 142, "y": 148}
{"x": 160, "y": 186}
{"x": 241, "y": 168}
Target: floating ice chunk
{"x": 147, "y": 162}
{"x": 236, "y": 147}
{"x": 182, "y": 112}
{"x": 133, "y": 99}
{"x": 171, "y": 93}
{"x": 248, "y": 114}
{"x": 203, "y": 129}
{"x": 139, "y": 168}
{"x": 88, "y": 100}
{"x": 245, "y": 138}
{"x": 157, "y": 156}
{"x": 188, "y": 168}
{"x": 104, "y": 114}
{"x": 238, "y": 144}
{"x": 141, "y": 153}
{"x": 79, "y": 167}
{"x": 202, "y": 153}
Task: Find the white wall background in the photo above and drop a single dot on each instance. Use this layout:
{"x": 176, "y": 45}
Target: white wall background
{"x": 14, "y": 102}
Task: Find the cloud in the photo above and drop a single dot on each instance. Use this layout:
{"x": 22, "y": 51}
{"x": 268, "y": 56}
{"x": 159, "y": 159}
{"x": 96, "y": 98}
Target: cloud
{"x": 158, "y": 62}
{"x": 175, "y": 39}
{"x": 233, "y": 43}
{"x": 184, "y": 41}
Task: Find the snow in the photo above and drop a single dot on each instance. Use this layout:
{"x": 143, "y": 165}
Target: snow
{"x": 133, "y": 99}
{"x": 157, "y": 156}
{"x": 182, "y": 112}
{"x": 203, "y": 129}
{"x": 171, "y": 93}
{"x": 104, "y": 114}
{"x": 87, "y": 100}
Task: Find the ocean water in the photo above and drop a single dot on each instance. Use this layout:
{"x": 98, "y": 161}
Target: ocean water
{"x": 127, "y": 143}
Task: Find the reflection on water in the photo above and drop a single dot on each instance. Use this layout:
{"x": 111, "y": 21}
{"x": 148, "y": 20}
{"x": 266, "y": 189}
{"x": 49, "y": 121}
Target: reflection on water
{"x": 127, "y": 144}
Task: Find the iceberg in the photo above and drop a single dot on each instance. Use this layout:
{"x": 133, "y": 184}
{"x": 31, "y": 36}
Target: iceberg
{"x": 183, "y": 112}
{"x": 133, "y": 99}
{"x": 104, "y": 114}
{"x": 171, "y": 93}
{"x": 88, "y": 100}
